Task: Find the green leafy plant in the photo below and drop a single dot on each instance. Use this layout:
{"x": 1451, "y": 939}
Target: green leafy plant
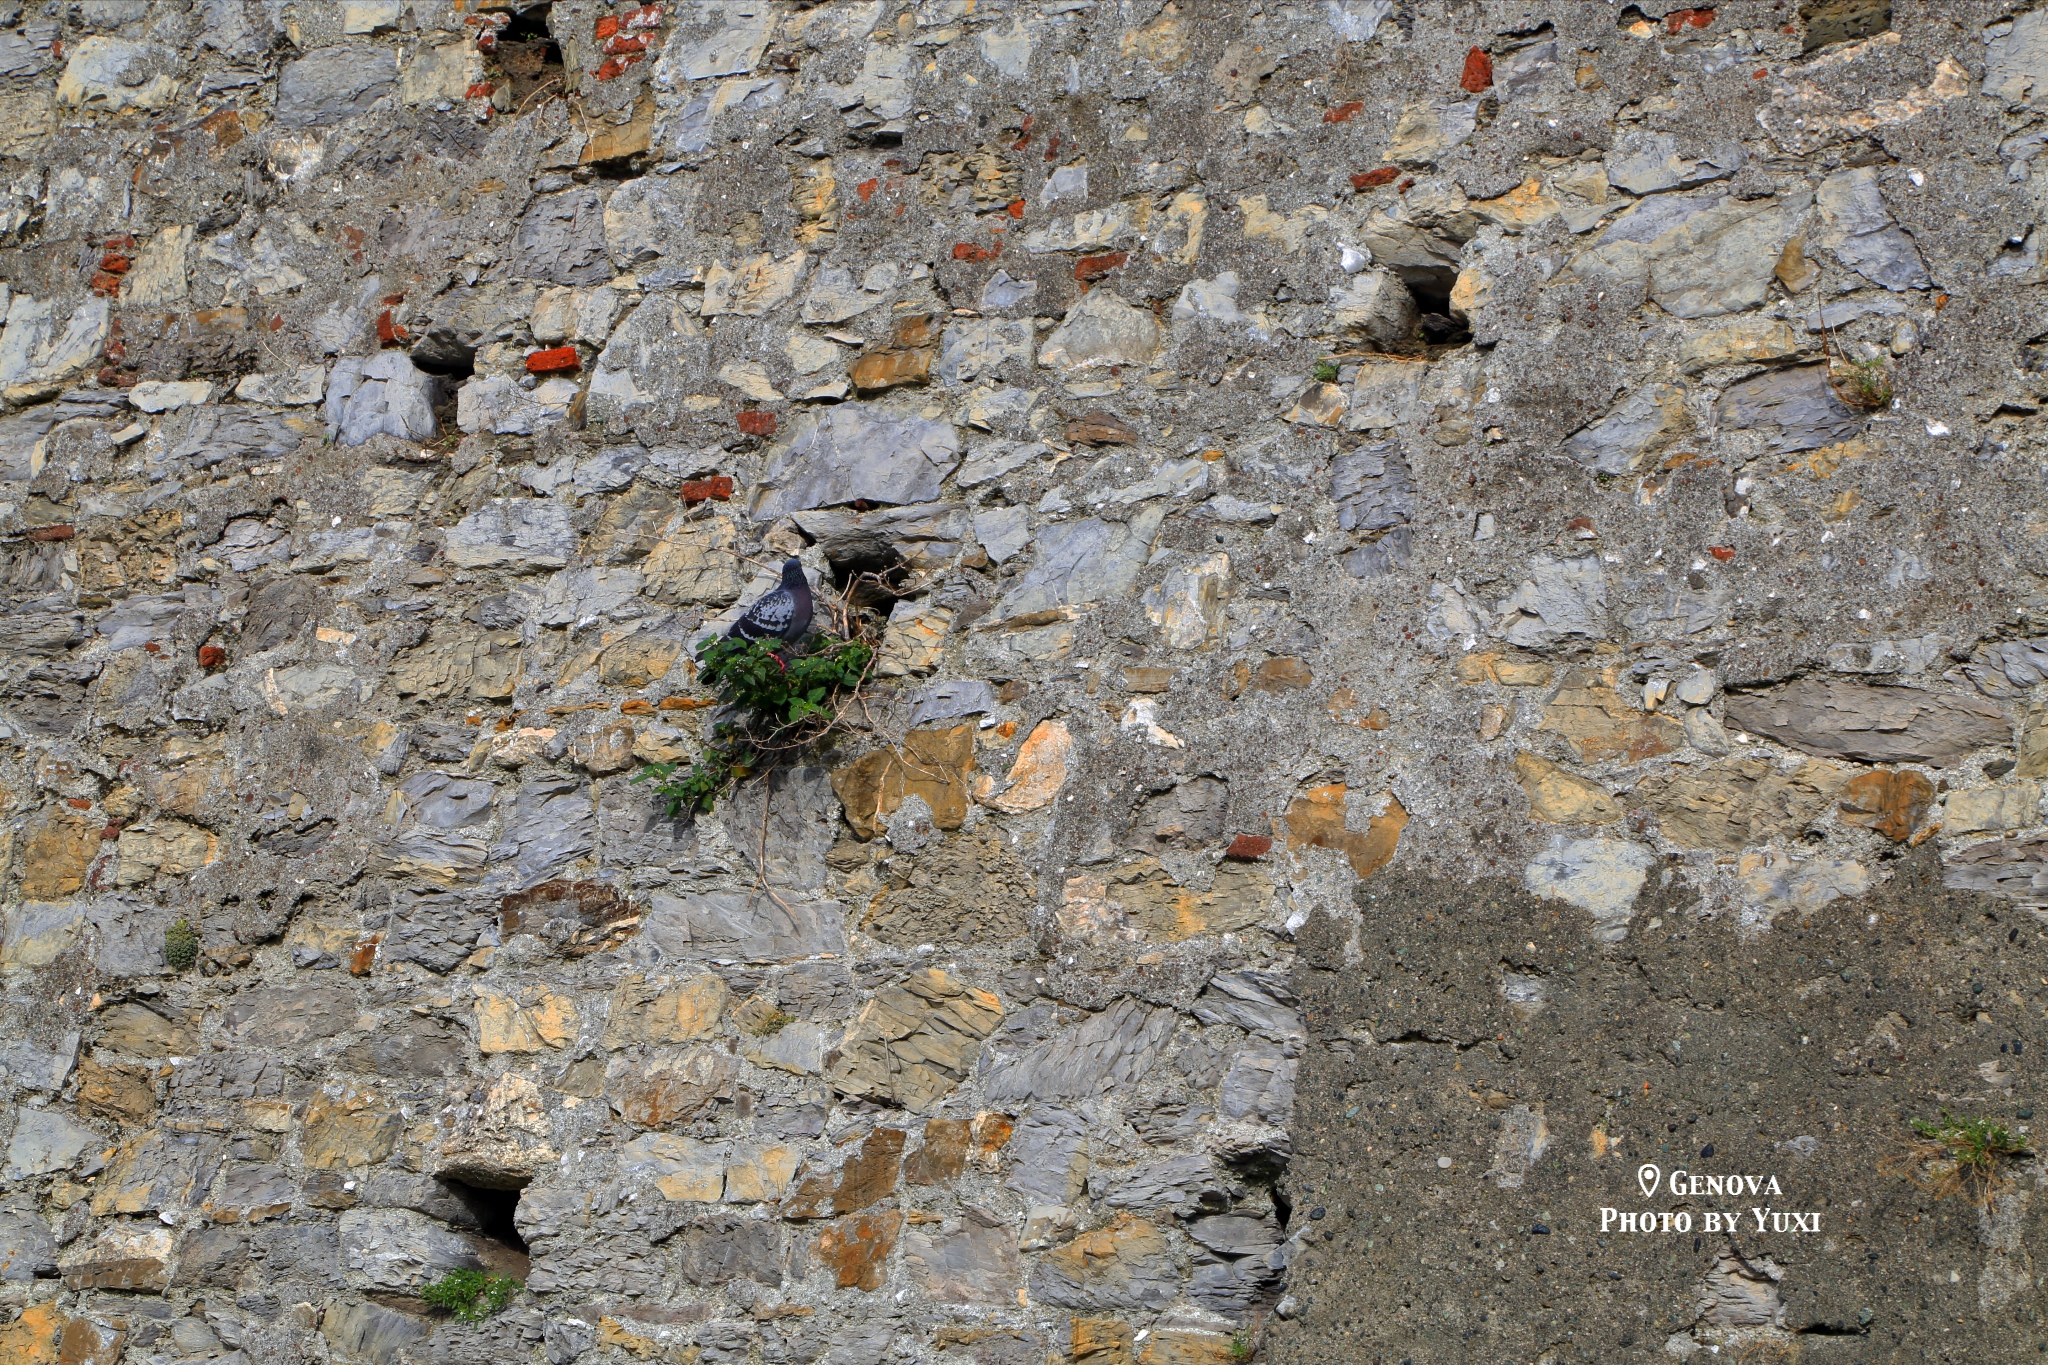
{"x": 1242, "y": 1347}
{"x": 181, "y": 945}
{"x": 1862, "y": 384}
{"x": 471, "y": 1295}
{"x": 1957, "y": 1156}
{"x": 1326, "y": 371}
{"x": 777, "y": 699}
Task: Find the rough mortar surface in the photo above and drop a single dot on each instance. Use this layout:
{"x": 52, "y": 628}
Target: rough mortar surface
{"x": 1462, "y": 604}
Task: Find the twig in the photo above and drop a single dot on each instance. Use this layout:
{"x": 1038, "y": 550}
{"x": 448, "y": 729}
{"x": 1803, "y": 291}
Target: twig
{"x": 535, "y": 94}
{"x": 761, "y": 853}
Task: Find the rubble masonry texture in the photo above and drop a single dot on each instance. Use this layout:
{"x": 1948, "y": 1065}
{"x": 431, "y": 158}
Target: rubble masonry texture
{"x": 1467, "y": 608}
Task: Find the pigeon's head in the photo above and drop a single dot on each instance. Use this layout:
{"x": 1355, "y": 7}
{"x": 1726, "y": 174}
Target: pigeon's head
{"x": 793, "y": 574}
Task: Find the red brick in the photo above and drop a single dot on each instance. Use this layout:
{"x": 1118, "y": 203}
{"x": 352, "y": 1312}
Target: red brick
{"x": 103, "y": 283}
{"x": 1015, "y": 208}
{"x": 1345, "y": 112}
{"x": 866, "y": 189}
{"x": 212, "y": 656}
{"x": 625, "y": 43}
{"x": 114, "y": 263}
{"x": 1372, "y": 180}
{"x": 1090, "y": 268}
{"x": 390, "y": 333}
{"x": 717, "y": 488}
{"x": 555, "y": 360}
{"x": 1724, "y": 553}
{"x": 614, "y": 67}
{"x": 646, "y": 16}
{"x": 758, "y": 423}
{"x": 606, "y": 27}
{"x": 968, "y": 251}
{"x": 1478, "y": 71}
{"x": 1249, "y": 848}
{"x": 1679, "y": 18}
{"x": 62, "y": 531}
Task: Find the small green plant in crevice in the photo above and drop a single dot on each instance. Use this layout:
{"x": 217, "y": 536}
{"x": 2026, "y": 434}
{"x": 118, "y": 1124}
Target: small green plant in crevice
{"x": 181, "y": 945}
{"x": 1325, "y": 371}
{"x": 1242, "y": 1346}
{"x": 769, "y": 1022}
{"x": 1957, "y": 1156}
{"x": 1865, "y": 385}
{"x": 778, "y": 699}
{"x": 471, "y": 1295}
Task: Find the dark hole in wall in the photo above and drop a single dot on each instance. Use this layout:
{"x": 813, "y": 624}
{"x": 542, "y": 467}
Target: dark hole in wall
{"x": 445, "y": 352}
{"x": 527, "y": 56}
{"x": 1843, "y": 21}
{"x": 495, "y": 1212}
{"x": 1431, "y": 290}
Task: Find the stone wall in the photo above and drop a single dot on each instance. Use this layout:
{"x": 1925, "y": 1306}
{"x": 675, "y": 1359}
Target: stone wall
{"x": 1487, "y": 561}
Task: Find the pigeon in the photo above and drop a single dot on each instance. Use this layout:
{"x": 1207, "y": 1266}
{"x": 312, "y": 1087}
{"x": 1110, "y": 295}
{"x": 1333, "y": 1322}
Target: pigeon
{"x": 783, "y": 614}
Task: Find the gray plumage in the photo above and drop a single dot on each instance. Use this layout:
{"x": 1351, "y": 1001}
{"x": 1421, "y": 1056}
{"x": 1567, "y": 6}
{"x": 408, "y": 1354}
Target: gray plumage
{"x": 783, "y": 614}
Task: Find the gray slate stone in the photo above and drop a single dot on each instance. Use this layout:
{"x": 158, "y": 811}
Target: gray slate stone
{"x": 1234, "y": 1235}
{"x": 1560, "y": 599}
{"x": 1373, "y": 487}
{"x": 551, "y": 822}
{"x": 306, "y": 1251}
{"x": 719, "y": 1250}
{"x": 28, "y": 1249}
{"x": 1046, "y": 1157}
{"x": 36, "y": 1066}
{"x": 1130, "y": 1282}
{"x": 20, "y": 57}
{"x": 1176, "y": 1185}
{"x": 973, "y": 1265}
{"x": 921, "y": 533}
{"x": 1797, "y": 402}
{"x": 1859, "y": 229}
{"x": 1644, "y": 163}
{"x": 218, "y": 1256}
{"x": 2010, "y": 664}
{"x": 561, "y": 239}
{"x": 436, "y": 931}
{"x": 739, "y": 927}
{"x": 1260, "y": 1085}
{"x": 1254, "y": 999}
{"x": 1871, "y": 724}
{"x": 951, "y": 700}
{"x": 290, "y": 1016}
{"x": 853, "y": 451}
{"x": 519, "y": 533}
{"x": 1230, "y": 1287}
{"x": 2005, "y": 867}
{"x": 801, "y": 826}
{"x": 1082, "y": 562}
{"x": 207, "y": 436}
{"x": 384, "y": 394}
{"x": 1632, "y": 429}
{"x": 331, "y": 84}
{"x": 370, "y": 1333}
{"x": 45, "y": 1140}
{"x": 1112, "y": 1049}
{"x": 439, "y": 801}
{"x": 399, "y": 1249}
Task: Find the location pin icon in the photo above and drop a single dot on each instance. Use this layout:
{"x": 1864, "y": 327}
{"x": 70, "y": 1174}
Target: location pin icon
{"x": 1647, "y": 1176}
